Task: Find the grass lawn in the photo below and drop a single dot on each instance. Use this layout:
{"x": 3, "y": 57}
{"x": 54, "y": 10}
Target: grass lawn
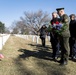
{"x": 23, "y": 57}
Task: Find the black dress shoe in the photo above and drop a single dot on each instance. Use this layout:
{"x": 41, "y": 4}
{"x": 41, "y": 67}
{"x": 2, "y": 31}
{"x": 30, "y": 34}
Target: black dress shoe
{"x": 70, "y": 55}
{"x": 60, "y": 61}
{"x": 55, "y": 57}
{"x": 63, "y": 63}
{"x": 74, "y": 57}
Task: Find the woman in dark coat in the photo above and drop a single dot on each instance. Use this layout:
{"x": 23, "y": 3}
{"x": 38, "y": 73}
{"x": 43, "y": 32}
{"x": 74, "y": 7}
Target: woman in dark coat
{"x": 72, "y": 28}
{"x": 43, "y": 34}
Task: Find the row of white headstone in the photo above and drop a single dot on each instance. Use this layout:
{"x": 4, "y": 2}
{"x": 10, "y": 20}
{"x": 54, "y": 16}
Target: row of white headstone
{"x": 3, "y": 39}
{"x": 34, "y": 38}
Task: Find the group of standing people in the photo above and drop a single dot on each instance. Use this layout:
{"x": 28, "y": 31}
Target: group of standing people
{"x": 62, "y": 35}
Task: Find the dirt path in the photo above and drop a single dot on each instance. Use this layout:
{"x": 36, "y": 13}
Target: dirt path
{"x": 23, "y": 57}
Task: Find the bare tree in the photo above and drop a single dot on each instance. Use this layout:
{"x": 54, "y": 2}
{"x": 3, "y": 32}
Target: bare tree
{"x": 13, "y": 28}
{"x": 23, "y": 29}
{"x": 32, "y": 22}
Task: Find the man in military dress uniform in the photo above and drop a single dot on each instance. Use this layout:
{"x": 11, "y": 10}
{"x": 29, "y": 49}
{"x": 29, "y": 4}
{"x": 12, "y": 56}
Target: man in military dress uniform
{"x": 64, "y": 37}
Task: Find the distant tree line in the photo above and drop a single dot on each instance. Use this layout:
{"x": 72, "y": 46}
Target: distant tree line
{"x": 3, "y": 29}
{"x": 30, "y": 23}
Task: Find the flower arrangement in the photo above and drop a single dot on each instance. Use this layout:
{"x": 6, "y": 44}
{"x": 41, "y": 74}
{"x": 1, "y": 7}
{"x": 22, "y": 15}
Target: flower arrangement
{"x": 60, "y": 28}
{"x": 57, "y": 28}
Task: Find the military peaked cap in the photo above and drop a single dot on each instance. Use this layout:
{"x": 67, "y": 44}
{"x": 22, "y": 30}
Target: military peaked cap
{"x": 59, "y": 9}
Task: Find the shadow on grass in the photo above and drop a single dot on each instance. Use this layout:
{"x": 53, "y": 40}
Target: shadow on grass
{"x": 40, "y": 52}
{"x": 40, "y": 47}
{"x": 74, "y": 60}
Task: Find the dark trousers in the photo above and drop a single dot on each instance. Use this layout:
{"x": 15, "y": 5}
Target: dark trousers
{"x": 72, "y": 42}
{"x": 43, "y": 41}
{"x": 64, "y": 42}
{"x": 55, "y": 45}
